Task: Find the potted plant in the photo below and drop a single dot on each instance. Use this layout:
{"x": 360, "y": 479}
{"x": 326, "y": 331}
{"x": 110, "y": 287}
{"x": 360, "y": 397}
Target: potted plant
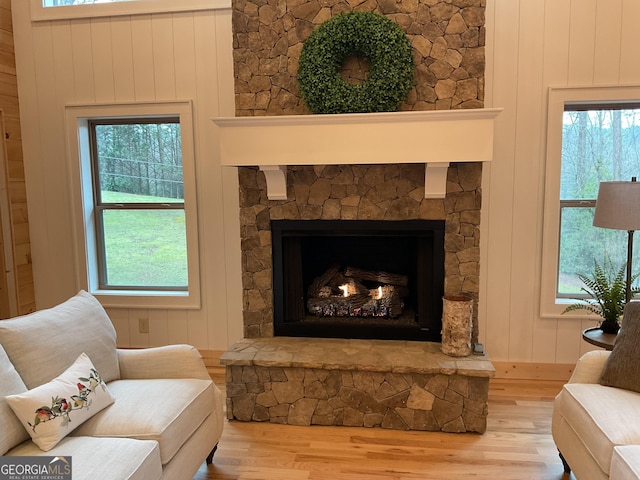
{"x": 606, "y": 289}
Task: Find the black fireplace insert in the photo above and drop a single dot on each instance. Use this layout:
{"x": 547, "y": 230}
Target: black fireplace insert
{"x": 358, "y": 278}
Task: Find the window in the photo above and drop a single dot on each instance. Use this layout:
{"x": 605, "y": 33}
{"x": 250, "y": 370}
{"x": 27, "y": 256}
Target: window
{"x": 600, "y": 142}
{"x": 139, "y": 203}
{"x": 593, "y": 136}
{"x": 136, "y": 212}
{"x": 65, "y": 9}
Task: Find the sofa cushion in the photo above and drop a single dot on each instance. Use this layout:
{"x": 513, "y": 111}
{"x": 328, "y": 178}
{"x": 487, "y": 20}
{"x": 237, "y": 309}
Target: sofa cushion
{"x": 13, "y": 432}
{"x": 622, "y": 370}
{"x": 51, "y": 411}
{"x": 625, "y": 464}
{"x": 602, "y": 417}
{"x": 165, "y": 410}
{"x": 62, "y": 333}
{"x": 104, "y": 458}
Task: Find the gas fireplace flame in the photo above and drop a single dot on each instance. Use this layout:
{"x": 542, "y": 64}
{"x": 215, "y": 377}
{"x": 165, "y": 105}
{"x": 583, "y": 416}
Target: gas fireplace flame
{"x": 379, "y": 295}
{"x": 345, "y": 290}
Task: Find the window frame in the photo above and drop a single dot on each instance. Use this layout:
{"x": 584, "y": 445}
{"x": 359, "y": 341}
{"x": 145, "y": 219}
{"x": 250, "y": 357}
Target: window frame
{"x": 130, "y": 7}
{"x": 550, "y": 305}
{"x": 77, "y": 118}
{"x": 101, "y": 206}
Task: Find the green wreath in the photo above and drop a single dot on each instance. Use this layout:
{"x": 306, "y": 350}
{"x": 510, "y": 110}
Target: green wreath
{"x": 363, "y": 34}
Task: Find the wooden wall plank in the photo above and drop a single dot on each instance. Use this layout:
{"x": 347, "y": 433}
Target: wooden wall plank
{"x": 102, "y": 55}
{"x": 607, "y": 42}
{"x": 499, "y": 219}
{"x": 528, "y": 179}
{"x": 177, "y": 328}
{"x": 82, "y": 57}
{"x": 582, "y": 41}
{"x": 629, "y": 65}
{"x": 143, "y": 69}
{"x": 185, "y": 60}
{"x": 23, "y": 253}
{"x": 209, "y": 96}
{"x": 158, "y": 328}
{"x": 121, "y": 46}
{"x": 164, "y": 56}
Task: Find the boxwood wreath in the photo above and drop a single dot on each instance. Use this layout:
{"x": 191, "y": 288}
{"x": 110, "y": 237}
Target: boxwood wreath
{"x": 362, "y": 34}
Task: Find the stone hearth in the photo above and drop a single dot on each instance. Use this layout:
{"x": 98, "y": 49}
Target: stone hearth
{"x": 399, "y": 385}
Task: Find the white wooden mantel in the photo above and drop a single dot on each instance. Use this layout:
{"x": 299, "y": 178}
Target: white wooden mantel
{"x": 435, "y": 138}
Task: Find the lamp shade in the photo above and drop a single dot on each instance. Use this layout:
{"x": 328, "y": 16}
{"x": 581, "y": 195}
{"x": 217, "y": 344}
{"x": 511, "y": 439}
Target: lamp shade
{"x": 618, "y": 206}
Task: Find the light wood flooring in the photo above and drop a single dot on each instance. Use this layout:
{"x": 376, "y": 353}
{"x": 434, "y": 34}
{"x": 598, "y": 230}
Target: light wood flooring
{"x": 516, "y": 446}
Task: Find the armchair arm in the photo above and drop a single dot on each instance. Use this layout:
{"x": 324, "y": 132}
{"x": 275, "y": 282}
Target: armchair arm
{"x": 171, "y": 361}
{"x": 589, "y": 367}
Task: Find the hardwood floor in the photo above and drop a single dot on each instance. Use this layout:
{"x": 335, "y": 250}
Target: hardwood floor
{"x": 516, "y": 446}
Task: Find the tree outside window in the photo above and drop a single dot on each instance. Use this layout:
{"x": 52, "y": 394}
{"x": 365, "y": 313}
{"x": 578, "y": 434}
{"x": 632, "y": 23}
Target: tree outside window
{"x": 600, "y": 142}
{"x": 139, "y": 203}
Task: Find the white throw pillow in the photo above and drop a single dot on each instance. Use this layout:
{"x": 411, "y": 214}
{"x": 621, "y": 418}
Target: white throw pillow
{"x": 53, "y": 410}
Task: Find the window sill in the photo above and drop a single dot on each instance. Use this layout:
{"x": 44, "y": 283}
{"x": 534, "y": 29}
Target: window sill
{"x": 147, "y": 299}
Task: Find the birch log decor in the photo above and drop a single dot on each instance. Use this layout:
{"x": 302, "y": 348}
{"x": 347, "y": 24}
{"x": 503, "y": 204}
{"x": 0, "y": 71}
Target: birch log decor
{"x": 457, "y": 318}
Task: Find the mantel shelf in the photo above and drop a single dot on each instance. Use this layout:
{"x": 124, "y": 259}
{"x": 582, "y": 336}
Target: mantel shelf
{"x": 435, "y": 138}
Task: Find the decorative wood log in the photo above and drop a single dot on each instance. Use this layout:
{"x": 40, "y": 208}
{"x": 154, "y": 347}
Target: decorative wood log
{"x": 358, "y": 305}
{"x": 325, "y": 298}
{"x": 322, "y": 280}
{"x": 380, "y": 277}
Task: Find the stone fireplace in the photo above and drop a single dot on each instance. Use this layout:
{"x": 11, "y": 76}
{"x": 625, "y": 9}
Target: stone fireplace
{"x": 422, "y": 164}
{"x": 448, "y": 44}
{"x": 385, "y": 193}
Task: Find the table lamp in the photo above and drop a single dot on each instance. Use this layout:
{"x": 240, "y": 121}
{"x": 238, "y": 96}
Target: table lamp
{"x": 618, "y": 207}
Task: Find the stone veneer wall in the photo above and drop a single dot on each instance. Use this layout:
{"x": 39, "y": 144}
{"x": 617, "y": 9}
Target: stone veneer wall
{"x": 396, "y": 384}
{"x": 448, "y": 39}
{"x": 311, "y": 396}
{"x": 357, "y": 192}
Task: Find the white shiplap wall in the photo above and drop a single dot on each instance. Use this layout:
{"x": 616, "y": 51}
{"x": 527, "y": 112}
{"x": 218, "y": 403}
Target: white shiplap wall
{"x": 154, "y": 57}
{"x": 531, "y": 45}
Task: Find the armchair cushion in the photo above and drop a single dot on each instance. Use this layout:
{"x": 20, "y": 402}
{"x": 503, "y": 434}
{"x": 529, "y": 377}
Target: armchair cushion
{"x": 61, "y": 334}
{"x": 601, "y": 418}
{"x": 166, "y": 410}
{"x": 170, "y": 361}
{"x": 104, "y": 458}
{"x": 623, "y": 367}
{"x": 589, "y": 367}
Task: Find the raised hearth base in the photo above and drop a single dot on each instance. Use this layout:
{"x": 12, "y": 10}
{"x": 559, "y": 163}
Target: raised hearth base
{"x": 400, "y": 385}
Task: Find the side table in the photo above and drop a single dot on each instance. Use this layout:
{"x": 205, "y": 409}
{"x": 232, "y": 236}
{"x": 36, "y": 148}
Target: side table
{"x": 596, "y": 337}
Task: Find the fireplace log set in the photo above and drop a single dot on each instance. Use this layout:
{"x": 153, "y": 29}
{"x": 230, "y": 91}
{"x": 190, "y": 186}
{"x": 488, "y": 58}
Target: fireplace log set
{"x": 338, "y": 293}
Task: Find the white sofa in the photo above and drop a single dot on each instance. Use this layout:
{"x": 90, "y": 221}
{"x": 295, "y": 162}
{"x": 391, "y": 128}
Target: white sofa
{"x": 165, "y": 421}
{"x": 596, "y": 427}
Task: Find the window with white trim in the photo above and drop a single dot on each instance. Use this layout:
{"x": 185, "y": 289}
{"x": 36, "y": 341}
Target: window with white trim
{"x": 138, "y": 197}
{"x": 67, "y": 9}
{"x": 600, "y": 142}
{"x": 136, "y": 217}
{"x": 593, "y": 136}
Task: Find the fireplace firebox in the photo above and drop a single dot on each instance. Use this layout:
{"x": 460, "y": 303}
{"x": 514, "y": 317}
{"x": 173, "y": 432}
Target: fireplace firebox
{"x": 365, "y": 279}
